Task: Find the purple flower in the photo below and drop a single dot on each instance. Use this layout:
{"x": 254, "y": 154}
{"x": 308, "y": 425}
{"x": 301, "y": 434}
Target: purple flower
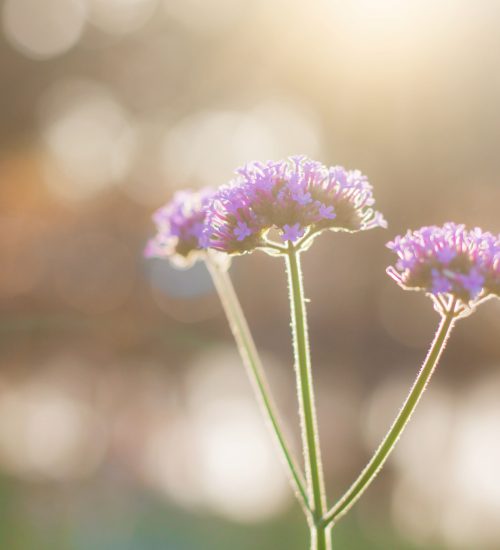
{"x": 326, "y": 212}
{"x": 472, "y": 282}
{"x": 295, "y": 196}
{"x": 180, "y": 227}
{"x": 448, "y": 260}
{"x": 292, "y": 232}
{"x": 242, "y": 231}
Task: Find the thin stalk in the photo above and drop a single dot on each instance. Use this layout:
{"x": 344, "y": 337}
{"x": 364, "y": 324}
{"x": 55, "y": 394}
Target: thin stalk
{"x": 309, "y": 425}
{"x": 390, "y": 440}
{"x": 251, "y": 359}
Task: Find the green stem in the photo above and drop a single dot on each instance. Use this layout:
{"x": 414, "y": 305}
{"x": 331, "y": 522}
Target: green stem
{"x": 310, "y": 440}
{"x": 251, "y": 359}
{"x": 390, "y": 440}
{"x": 320, "y": 537}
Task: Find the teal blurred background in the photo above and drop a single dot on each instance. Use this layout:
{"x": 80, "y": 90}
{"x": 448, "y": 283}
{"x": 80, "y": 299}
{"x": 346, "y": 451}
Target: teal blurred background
{"x": 126, "y": 420}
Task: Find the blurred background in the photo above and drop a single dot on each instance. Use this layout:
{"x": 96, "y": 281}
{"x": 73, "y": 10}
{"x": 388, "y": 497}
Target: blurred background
{"x": 126, "y": 420}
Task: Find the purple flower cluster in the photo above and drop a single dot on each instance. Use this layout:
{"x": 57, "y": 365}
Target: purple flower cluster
{"x": 448, "y": 260}
{"x": 180, "y": 227}
{"x": 294, "y": 196}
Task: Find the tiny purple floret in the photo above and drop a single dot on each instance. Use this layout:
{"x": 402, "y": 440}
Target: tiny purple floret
{"x": 242, "y": 231}
{"x": 292, "y": 232}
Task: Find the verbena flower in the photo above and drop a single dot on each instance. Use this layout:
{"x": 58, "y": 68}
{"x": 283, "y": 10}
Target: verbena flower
{"x": 179, "y": 227}
{"x": 448, "y": 260}
{"x": 297, "y": 196}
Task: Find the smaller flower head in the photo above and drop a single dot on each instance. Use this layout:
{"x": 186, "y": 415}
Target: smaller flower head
{"x": 179, "y": 227}
{"x": 448, "y": 261}
{"x": 297, "y": 196}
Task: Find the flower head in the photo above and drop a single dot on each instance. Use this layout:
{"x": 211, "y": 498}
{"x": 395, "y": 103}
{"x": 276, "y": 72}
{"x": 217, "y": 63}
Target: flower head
{"x": 296, "y": 196}
{"x": 179, "y": 227}
{"x": 448, "y": 261}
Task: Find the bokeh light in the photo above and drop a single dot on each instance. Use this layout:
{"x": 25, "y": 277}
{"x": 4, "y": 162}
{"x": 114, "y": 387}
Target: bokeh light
{"x": 207, "y": 17}
{"x": 43, "y": 29}
{"x": 457, "y": 504}
{"x": 241, "y": 476}
{"x": 120, "y": 16}
{"x": 47, "y": 433}
{"x": 271, "y": 129}
{"x": 146, "y": 184}
{"x": 235, "y": 449}
{"x": 89, "y": 138}
{"x": 219, "y": 454}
